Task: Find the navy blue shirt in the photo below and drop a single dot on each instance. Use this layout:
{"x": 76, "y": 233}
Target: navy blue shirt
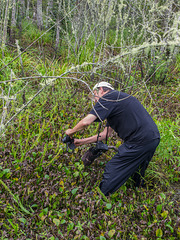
{"x": 126, "y": 115}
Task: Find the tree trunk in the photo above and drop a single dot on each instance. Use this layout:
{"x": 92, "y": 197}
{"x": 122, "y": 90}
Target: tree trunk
{"x": 1, "y": 20}
{"x": 39, "y": 14}
{"x": 13, "y": 22}
{"x": 13, "y": 17}
{"x": 49, "y": 12}
{"x": 22, "y": 8}
{"x": 21, "y": 14}
{"x": 176, "y": 34}
{"x": 27, "y": 10}
{"x": 58, "y": 25}
{"x": 4, "y": 36}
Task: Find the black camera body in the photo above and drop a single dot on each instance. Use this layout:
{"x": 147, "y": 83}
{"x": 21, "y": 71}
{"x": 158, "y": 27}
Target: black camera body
{"x": 66, "y": 139}
{"x": 100, "y": 148}
{"x": 69, "y": 142}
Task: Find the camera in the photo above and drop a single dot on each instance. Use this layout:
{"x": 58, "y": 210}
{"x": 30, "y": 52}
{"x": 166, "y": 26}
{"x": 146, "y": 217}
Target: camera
{"x": 69, "y": 142}
{"x": 99, "y": 148}
{"x": 66, "y": 139}
{"x": 94, "y": 152}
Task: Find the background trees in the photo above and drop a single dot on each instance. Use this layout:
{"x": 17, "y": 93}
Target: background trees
{"x": 131, "y": 22}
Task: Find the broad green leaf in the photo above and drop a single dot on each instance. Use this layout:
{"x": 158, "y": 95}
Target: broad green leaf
{"x": 34, "y": 205}
{"x": 46, "y": 176}
{"x": 164, "y": 214}
{"x": 76, "y": 174}
{"x": 52, "y": 238}
{"x": 178, "y": 231}
{"x": 63, "y": 221}
{"x": 4, "y": 172}
{"x": 74, "y": 191}
{"x": 45, "y": 210}
{"x": 159, "y": 208}
{"x": 56, "y": 221}
{"x": 85, "y": 237}
{"x": 23, "y": 220}
{"x": 108, "y": 205}
{"x": 163, "y": 195}
{"x": 102, "y": 238}
{"x": 159, "y": 233}
{"x": 85, "y": 174}
{"x": 111, "y": 232}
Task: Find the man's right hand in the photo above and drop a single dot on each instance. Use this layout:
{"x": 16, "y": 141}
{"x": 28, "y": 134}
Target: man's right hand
{"x": 78, "y": 142}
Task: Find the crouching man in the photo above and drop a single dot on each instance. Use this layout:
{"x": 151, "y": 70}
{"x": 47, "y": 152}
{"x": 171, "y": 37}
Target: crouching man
{"x": 133, "y": 124}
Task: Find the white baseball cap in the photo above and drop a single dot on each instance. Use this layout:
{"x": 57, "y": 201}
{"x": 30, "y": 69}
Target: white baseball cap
{"x": 103, "y": 84}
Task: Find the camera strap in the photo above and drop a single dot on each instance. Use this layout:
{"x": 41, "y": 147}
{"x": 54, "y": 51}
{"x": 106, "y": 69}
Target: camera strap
{"x": 107, "y": 134}
{"x": 99, "y": 128}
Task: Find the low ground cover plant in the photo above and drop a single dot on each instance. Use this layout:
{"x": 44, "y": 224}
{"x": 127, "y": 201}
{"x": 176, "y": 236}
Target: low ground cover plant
{"x": 47, "y": 193}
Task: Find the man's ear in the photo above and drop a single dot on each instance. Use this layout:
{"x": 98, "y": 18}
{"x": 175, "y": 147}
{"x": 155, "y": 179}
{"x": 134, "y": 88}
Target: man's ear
{"x": 101, "y": 90}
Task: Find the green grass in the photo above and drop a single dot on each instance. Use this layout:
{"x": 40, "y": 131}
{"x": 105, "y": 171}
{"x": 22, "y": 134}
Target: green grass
{"x": 30, "y": 32}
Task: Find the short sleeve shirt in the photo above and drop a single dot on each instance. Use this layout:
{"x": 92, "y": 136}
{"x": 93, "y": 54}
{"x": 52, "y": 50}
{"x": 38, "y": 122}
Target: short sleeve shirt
{"x": 126, "y": 115}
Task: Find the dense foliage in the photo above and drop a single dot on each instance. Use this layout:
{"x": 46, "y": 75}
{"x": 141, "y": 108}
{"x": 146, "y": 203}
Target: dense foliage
{"x": 55, "y": 188}
{"x": 52, "y": 53}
